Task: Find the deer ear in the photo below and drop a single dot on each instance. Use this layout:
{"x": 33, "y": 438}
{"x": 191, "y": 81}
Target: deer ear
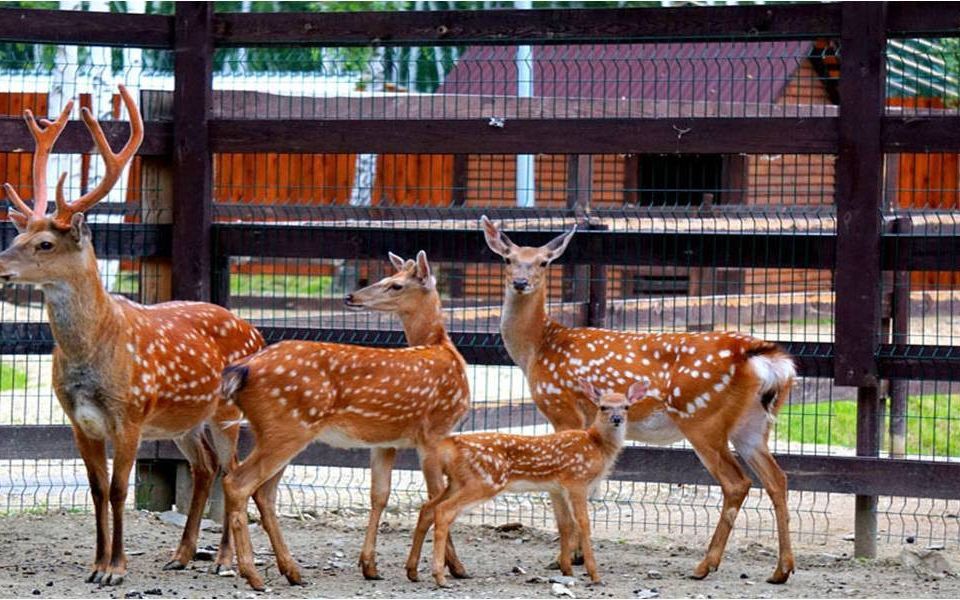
{"x": 589, "y": 390}
{"x": 423, "y": 267}
{"x": 78, "y": 227}
{"x": 558, "y": 245}
{"x": 397, "y": 262}
{"x": 18, "y": 219}
{"x": 496, "y": 239}
{"x": 638, "y": 390}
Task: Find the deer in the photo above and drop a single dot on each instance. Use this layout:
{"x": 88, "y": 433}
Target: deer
{"x": 123, "y": 372}
{"x": 568, "y": 464}
{"x": 711, "y": 388}
{"x": 347, "y": 396}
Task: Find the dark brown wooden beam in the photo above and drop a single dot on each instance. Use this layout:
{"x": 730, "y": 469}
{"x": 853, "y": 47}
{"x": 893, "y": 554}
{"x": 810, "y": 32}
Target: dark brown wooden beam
{"x": 192, "y": 161}
{"x": 157, "y": 137}
{"x": 116, "y": 240}
{"x": 921, "y": 134}
{"x": 923, "y": 19}
{"x": 86, "y": 28}
{"x": 859, "y": 176}
{"x": 800, "y": 250}
{"x": 840, "y": 474}
{"x": 491, "y": 27}
{"x": 524, "y": 136}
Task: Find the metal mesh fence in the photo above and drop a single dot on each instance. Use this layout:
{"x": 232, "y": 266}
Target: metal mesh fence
{"x": 676, "y": 196}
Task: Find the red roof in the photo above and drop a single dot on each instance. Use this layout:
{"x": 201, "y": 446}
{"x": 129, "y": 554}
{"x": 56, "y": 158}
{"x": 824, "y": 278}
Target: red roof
{"x": 748, "y": 72}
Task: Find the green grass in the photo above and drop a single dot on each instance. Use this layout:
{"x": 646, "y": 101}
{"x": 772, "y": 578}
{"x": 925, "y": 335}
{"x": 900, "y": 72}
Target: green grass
{"x": 11, "y": 379}
{"x": 933, "y": 424}
{"x": 819, "y": 321}
{"x": 289, "y": 286}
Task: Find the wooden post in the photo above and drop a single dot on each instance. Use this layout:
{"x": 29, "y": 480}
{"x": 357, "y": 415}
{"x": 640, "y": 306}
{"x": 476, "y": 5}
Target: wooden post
{"x": 193, "y": 167}
{"x": 576, "y": 278}
{"x": 456, "y": 278}
{"x": 155, "y": 479}
{"x": 900, "y": 329}
{"x": 597, "y": 296}
{"x": 858, "y": 274}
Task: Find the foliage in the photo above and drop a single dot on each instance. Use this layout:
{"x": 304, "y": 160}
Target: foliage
{"x": 11, "y": 378}
{"x": 931, "y": 429}
{"x": 280, "y": 286}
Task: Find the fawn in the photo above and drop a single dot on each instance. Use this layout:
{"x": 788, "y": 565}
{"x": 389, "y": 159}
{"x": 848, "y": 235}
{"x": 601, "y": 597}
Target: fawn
{"x": 123, "y": 371}
{"x": 568, "y": 464}
{"x": 347, "y": 396}
{"x": 711, "y": 388}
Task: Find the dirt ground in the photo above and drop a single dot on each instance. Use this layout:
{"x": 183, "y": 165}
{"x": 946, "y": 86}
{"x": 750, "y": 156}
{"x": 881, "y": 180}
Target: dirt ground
{"x": 48, "y": 555}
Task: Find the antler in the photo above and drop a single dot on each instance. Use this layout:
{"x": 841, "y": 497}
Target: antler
{"x": 114, "y": 162}
{"x": 45, "y": 134}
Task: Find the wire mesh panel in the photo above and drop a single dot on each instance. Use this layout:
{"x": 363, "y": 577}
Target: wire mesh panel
{"x": 670, "y": 240}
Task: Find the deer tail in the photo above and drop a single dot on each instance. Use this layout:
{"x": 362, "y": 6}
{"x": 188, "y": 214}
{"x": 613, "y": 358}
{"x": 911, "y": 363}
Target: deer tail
{"x": 776, "y": 371}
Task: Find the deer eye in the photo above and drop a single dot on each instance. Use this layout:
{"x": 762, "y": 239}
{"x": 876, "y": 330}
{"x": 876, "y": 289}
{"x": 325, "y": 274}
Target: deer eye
{"x": 543, "y": 264}
{"x": 604, "y": 408}
{"x": 396, "y": 286}
{"x": 506, "y": 260}
{"x": 45, "y": 246}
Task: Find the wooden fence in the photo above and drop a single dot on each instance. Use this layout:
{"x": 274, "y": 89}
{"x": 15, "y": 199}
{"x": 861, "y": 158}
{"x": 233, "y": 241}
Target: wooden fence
{"x": 197, "y": 245}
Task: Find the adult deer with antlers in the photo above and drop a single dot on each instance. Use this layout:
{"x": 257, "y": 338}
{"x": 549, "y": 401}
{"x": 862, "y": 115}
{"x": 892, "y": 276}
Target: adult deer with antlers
{"x": 711, "y": 388}
{"x": 347, "y": 396}
{"x": 123, "y": 372}
{"x": 567, "y": 464}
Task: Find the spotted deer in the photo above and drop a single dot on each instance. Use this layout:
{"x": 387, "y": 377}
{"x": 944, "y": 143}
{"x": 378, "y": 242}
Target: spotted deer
{"x": 123, "y": 372}
{"x": 568, "y": 464}
{"x": 710, "y": 388}
{"x": 347, "y": 396}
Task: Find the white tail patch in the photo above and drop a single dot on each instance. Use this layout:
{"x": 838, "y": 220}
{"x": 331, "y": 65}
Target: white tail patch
{"x": 773, "y": 372}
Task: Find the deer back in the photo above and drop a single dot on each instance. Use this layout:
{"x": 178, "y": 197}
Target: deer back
{"x": 355, "y": 395}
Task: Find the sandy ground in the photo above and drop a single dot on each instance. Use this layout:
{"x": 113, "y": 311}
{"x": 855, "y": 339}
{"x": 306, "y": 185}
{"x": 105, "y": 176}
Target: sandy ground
{"x": 48, "y": 556}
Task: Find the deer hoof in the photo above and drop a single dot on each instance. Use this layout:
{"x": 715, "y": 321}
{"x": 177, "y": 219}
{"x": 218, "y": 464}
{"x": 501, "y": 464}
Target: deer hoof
{"x": 174, "y": 565}
{"x": 459, "y": 572}
{"x": 293, "y": 577}
{"x": 578, "y": 559}
{"x": 702, "y": 570}
{"x": 112, "y": 579}
{"x": 413, "y": 575}
{"x": 96, "y": 576}
{"x": 780, "y": 576}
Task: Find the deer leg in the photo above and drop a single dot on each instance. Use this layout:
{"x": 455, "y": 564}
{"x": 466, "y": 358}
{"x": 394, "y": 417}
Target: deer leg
{"x": 567, "y": 528}
{"x": 125, "y": 452}
{"x": 444, "y": 515}
{"x": 238, "y": 485}
{"x": 381, "y": 467}
{"x": 94, "y": 454}
{"x": 774, "y": 481}
{"x": 578, "y": 500}
{"x": 225, "y": 447}
{"x": 424, "y": 521}
{"x": 266, "y": 499}
{"x": 203, "y": 472}
{"x": 723, "y": 466}
{"x": 433, "y": 474}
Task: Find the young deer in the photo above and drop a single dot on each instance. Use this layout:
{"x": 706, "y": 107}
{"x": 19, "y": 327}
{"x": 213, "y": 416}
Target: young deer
{"x": 122, "y": 371}
{"x": 568, "y": 464}
{"x": 711, "y": 388}
{"x": 347, "y": 396}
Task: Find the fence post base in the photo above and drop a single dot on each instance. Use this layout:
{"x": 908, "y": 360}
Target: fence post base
{"x": 865, "y": 527}
{"x": 184, "y": 493}
{"x": 155, "y": 482}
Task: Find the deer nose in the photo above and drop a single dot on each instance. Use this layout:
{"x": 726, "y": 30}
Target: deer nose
{"x": 520, "y": 284}
{"x": 348, "y": 299}
{"x": 616, "y": 420}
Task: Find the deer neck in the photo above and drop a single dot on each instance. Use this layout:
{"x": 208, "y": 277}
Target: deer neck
{"x": 608, "y": 439}
{"x": 523, "y": 322}
{"x": 424, "y": 327}
{"x": 81, "y": 312}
